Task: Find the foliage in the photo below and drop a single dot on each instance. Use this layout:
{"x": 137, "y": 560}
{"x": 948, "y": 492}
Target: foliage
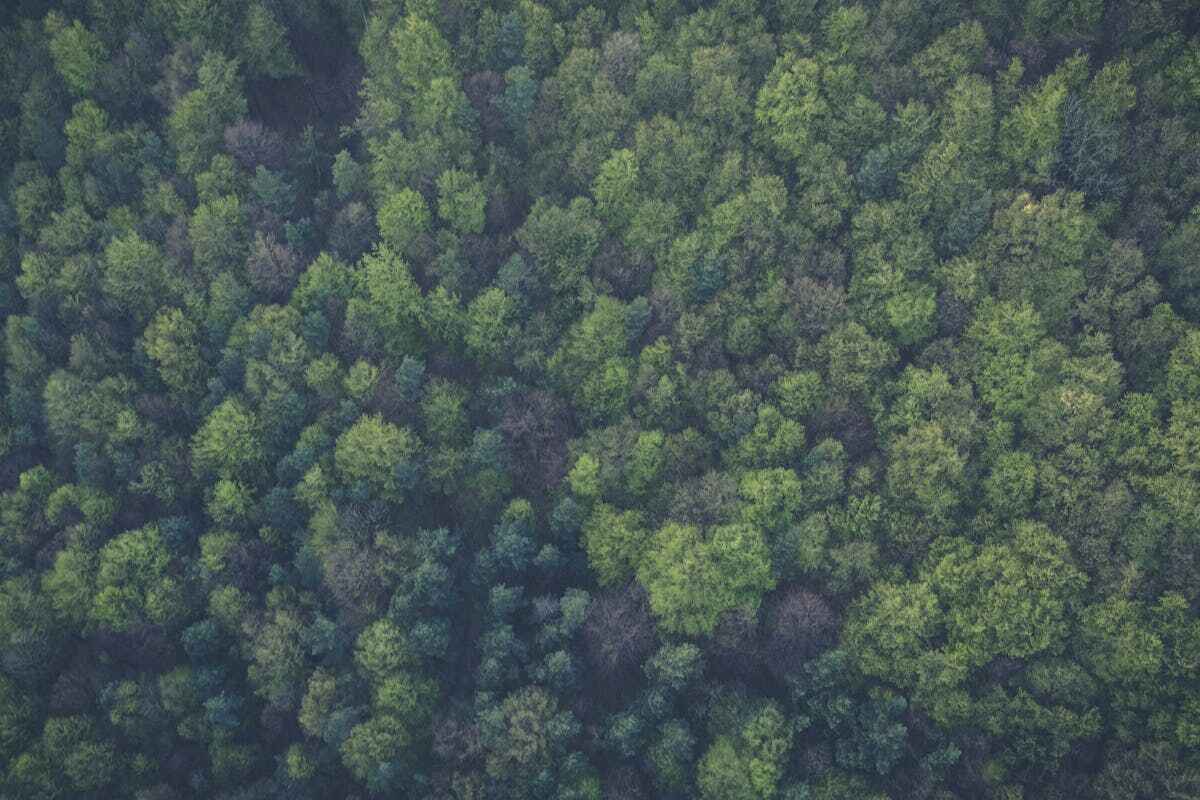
{"x": 565, "y": 401}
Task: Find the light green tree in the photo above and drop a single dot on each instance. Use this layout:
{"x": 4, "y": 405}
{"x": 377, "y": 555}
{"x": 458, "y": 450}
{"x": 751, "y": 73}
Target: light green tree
{"x": 229, "y": 442}
{"x": 378, "y": 453}
{"x": 692, "y": 580}
{"x": 197, "y": 123}
{"x": 461, "y": 201}
{"x": 402, "y": 218}
{"x": 133, "y": 586}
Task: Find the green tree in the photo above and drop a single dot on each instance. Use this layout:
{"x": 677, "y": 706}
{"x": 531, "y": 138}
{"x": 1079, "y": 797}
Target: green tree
{"x": 373, "y": 745}
{"x": 382, "y": 650}
{"x": 380, "y": 454}
{"x": 692, "y": 580}
{"x": 170, "y": 340}
{"x": 218, "y": 234}
{"x": 197, "y": 122}
{"x": 972, "y": 605}
{"x": 229, "y": 443}
{"x": 16, "y": 714}
{"x": 133, "y": 585}
{"x": 72, "y": 742}
{"x": 562, "y": 241}
{"x": 1039, "y": 249}
{"x": 70, "y": 584}
{"x": 928, "y": 471}
{"x": 529, "y": 730}
{"x": 808, "y": 110}
{"x": 957, "y": 51}
{"x": 401, "y": 60}
{"x": 1011, "y": 599}
{"x": 855, "y": 361}
{"x": 265, "y": 46}
{"x": 616, "y": 190}
{"x": 1030, "y": 134}
{"x": 138, "y": 278}
{"x": 749, "y": 763}
{"x": 1121, "y": 647}
{"x": 593, "y": 364}
{"x": 461, "y": 201}
{"x": 78, "y": 53}
{"x": 1013, "y": 358}
{"x": 615, "y": 541}
{"x": 277, "y": 662}
{"x": 402, "y": 218}
{"x": 387, "y": 312}
{"x": 491, "y": 326}
{"x": 774, "y": 441}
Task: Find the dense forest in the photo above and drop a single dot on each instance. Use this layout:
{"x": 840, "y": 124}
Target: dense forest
{"x": 544, "y": 400}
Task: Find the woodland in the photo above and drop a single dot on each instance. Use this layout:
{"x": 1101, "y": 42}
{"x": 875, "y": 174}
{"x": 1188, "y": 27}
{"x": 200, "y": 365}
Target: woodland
{"x": 600, "y": 399}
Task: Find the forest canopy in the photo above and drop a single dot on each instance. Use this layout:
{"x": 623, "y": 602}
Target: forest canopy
{"x": 570, "y": 400}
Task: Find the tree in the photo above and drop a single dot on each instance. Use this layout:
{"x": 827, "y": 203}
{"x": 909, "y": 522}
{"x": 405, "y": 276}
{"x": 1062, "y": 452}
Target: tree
{"x": 799, "y": 625}
{"x": 808, "y": 111}
{"x": 562, "y": 242}
{"x": 672, "y": 754}
{"x": 773, "y": 499}
{"x": 218, "y": 235}
{"x": 382, "y": 650}
{"x": 1011, "y": 600}
{"x": 402, "y": 218}
{"x": 855, "y": 359}
{"x": 1039, "y": 249}
{"x": 278, "y": 662}
{"x": 615, "y": 542}
{"x": 387, "y": 312}
{"x": 528, "y": 730}
{"x": 16, "y": 713}
{"x": 1014, "y": 598}
{"x": 692, "y": 580}
{"x": 750, "y": 763}
{"x": 928, "y": 471}
{"x": 593, "y": 364}
{"x": 892, "y": 629}
{"x": 1030, "y": 134}
{"x": 1011, "y": 485}
{"x": 229, "y": 442}
{"x": 70, "y": 584}
{"x": 1013, "y": 359}
{"x": 619, "y": 633}
{"x": 72, "y": 742}
{"x": 443, "y": 412}
{"x": 265, "y": 46}
{"x": 461, "y": 201}
{"x": 1183, "y": 368}
{"x": 253, "y": 145}
{"x": 137, "y": 277}
{"x": 950, "y": 55}
{"x": 198, "y": 119}
{"x": 171, "y": 341}
{"x": 790, "y": 107}
{"x": 491, "y": 326}
{"x": 400, "y": 63}
{"x": 796, "y": 394}
{"x": 775, "y": 441}
{"x": 78, "y": 53}
{"x": 616, "y": 190}
{"x": 1122, "y": 649}
{"x": 133, "y": 587}
{"x": 271, "y": 266}
{"x": 373, "y": 746}
{"x": 378, "y": 453}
